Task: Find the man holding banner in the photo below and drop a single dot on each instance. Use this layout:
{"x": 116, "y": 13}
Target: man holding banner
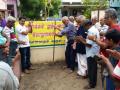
{"x": 70, "y": 32}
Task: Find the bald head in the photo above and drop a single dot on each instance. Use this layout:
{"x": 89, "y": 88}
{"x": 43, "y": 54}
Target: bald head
{"x": 102, "y": 21}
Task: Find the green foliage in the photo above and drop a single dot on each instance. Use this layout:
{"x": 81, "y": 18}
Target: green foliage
{"x": 91, "y": 5}
{"x": 32, "y": 8}
{"x": 54, "y": 10}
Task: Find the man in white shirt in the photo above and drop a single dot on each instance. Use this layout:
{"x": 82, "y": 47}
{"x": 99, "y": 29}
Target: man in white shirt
{"x": 24, "y": 46}
{"x": 8, "y": 29}
{"x": 92, "y": 49}
{"x": 102, "y": 27}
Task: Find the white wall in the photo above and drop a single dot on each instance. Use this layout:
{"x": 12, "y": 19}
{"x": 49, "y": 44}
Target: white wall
{"x": 40, "y": 55}
{"x": 95, "y": 13}
{"x": 3, "y": 5}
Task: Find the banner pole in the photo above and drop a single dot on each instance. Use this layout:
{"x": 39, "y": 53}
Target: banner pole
{"x": 54, "y": 43}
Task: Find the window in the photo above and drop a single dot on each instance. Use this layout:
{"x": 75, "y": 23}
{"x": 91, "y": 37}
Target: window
{"x": 10, "y": 9}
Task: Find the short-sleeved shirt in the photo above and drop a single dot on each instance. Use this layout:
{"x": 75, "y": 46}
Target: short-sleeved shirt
{"x": 95, "y": 48}
{"x": 21, "y": 37}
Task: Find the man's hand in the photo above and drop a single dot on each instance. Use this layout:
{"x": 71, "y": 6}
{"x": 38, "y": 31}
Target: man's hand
{"x": 74, "y": 45}
{"x": 57, "y": 27}
{"x": 57, "y": 34}
{"x": 105, "y": 59}
{"x": 22, "y": 42}
{"x": 6, "y": 50}
{"x": 92, "y": 37}
{"x": 30, "y": 27}
{"x": 114, "y": 53}
{"x": 79, "y": 39}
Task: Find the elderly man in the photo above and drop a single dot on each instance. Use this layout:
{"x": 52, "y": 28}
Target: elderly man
{"x": 92, "y": 49}
{"x": 70, "y": 31}
{"x": 80, "y": 47}
{"x": 111, "y": 21}
{"x": 8, "y": 30}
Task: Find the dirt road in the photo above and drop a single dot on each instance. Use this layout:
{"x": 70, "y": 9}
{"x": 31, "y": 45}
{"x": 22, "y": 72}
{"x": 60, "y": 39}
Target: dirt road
{"x": 53, "y": 77}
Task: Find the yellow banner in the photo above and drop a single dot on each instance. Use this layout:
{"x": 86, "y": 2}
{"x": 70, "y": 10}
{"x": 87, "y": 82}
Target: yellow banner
{"x": 43, "y": 34}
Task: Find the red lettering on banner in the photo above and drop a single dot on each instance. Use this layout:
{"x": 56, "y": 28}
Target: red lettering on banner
{"x": 38, "y": 26}
{"x": 51, "y": 26}
{"x": 42, "y": 34}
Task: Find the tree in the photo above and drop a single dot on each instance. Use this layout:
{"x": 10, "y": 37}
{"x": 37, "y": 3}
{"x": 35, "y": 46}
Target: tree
{"x": 91, "y": 5}
{"x": 54, "y": 10}
{"x": 32, "y": 8}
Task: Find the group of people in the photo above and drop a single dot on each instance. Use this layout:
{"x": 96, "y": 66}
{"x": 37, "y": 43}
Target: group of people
{"x": 14, "y": 51}
{"x": 92, "y": 44}
{"x": 89, "y": 42}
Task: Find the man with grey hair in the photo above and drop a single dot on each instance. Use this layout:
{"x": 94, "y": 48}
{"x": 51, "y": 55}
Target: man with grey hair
{"x": 8, "y": 30}
{"x": 80, "y": 47}
{"x": 71, "y": 18}
{"x": 70, "y": 31}
{"x": 110, "y": 20}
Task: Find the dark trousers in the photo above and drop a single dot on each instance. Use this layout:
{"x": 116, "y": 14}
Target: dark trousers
{"x": 70, "y": 54}
{"x": 92, "y": 71}
{"x": 12, "y": 52}
{"x": 25, "y": 58}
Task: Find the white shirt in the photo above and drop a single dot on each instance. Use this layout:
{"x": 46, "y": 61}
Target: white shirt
{"x": 94, "y": 50}
{"x": 101, "y": 28}
{"x": 7, "y": 31}
{"x": 21, "y": 37}
{"x": 5, "y": 67}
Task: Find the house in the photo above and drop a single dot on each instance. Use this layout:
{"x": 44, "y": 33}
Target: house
{"x": 71, "y": 7}
{"x": 9, "y": 7}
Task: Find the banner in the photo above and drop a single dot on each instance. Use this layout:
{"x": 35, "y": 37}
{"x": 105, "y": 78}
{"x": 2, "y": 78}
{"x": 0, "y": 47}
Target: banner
{"x": 43, "y": 34}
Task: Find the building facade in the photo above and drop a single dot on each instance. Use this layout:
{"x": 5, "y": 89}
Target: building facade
{"x": 71, "y": 7}
{"x": 9, "y": 7}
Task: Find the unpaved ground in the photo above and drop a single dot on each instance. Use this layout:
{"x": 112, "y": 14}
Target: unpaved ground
{"x": 53, "y": 77}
